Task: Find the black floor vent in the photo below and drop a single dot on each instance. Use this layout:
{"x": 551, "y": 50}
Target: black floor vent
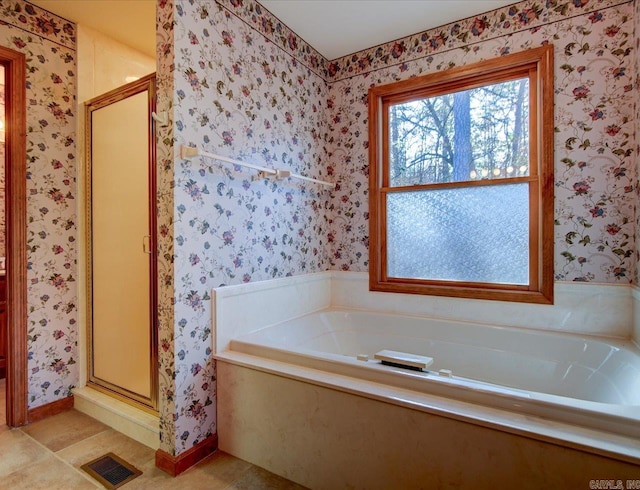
{"x": 111, "y": 471}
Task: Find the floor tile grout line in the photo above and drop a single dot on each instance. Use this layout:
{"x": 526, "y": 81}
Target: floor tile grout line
{"x": 246, "y": 470}
{"x": 152, "y": 457}
{"x": 66, "y": 463}
{"x": 26, "y": 463}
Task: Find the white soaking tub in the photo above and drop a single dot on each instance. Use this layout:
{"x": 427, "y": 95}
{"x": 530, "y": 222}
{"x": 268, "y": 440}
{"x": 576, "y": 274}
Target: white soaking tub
{"x": 501, "y": 405}
{"x": 590, "y": 382}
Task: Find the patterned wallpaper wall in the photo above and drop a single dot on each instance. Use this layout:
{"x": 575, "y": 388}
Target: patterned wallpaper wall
{"x": 165, "y": 12}
{"x": 49, "y": 45}
{"x": 245, "y": 98}
{"x": 247, "y": 87}
{"x": 595, "y": 171}
{"x": 636, "y": 79}
{"x": 277, "y": 102}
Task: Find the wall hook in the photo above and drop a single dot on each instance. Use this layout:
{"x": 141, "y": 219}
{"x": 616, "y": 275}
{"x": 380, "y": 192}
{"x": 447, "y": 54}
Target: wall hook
{"x": 162, "y": 119}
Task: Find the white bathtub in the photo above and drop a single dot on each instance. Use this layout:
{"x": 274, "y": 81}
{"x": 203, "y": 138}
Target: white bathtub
{"x": 587, "y": 381}
{"x": 541, "y": 409}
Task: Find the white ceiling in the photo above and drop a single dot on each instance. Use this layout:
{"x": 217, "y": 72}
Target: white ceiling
{"x": 333, "y": 27}
{"x": 339, "y": 27}
{"x": 132, "y": 22}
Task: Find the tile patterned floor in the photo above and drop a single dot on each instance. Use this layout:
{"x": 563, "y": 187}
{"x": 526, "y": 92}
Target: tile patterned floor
{"x": 48, "y": 455}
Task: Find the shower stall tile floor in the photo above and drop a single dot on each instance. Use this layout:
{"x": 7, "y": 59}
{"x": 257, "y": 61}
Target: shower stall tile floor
{"x": 49, "y": 453}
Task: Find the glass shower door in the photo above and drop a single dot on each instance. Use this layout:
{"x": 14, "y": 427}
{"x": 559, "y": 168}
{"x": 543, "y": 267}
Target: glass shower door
{"x": 122, "y": 227}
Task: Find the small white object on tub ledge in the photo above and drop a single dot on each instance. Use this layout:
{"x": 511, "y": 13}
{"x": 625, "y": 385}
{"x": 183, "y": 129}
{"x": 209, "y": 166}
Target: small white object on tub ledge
{"x": 403, "y": 359}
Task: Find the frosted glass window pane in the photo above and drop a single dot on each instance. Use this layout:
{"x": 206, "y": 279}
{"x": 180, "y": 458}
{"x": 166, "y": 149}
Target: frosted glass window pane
{"x": 473, "y": 234}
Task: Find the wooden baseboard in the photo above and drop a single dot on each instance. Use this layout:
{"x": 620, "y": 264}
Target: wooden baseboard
{"x": 49, "y": 409}
{"x": 174, "y": 465}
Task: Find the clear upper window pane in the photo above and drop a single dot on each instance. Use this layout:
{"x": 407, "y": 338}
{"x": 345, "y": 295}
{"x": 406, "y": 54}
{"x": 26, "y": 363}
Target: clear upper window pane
{"x": 471, "y": 234}
{"x": 476, "y": 134}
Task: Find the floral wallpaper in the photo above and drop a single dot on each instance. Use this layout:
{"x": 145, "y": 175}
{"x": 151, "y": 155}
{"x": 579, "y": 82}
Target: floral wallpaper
{"x": 636, "y": 74}
{"x": 240, "y": 83}
{"x": 236, "y": 81}
{"x": 49, "y": 45}
{"x": 165, "y": 204}
{"x": 595, "y": 172}
{"x": 263, "y": 22}
{"x": 243, "y": 97}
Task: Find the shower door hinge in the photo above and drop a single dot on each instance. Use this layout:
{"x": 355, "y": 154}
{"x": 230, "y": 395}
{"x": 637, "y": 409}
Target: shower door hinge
{"x": 146, "y": 244}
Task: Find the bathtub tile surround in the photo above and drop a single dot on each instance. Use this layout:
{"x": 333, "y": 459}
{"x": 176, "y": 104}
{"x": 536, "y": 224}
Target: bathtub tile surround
{"x": 49, "y": 44}
{"x": 271, "y": 302}
{"x": 592, "y": 309}
{"x": 327, "y": 439}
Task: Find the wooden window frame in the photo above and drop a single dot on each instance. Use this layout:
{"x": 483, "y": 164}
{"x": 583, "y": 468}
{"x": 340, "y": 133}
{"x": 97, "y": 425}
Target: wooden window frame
{"x": 537, "y": 65}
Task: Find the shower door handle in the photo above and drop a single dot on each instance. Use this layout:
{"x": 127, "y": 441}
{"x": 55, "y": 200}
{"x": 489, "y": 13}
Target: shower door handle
{"x": 146, "y": 244}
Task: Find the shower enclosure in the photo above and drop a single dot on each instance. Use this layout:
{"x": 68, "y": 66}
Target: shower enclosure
{"x": 121, "y": 262}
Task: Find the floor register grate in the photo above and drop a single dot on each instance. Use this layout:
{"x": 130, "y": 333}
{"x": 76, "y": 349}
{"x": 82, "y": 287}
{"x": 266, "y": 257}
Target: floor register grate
{"x": 111, "y": 471}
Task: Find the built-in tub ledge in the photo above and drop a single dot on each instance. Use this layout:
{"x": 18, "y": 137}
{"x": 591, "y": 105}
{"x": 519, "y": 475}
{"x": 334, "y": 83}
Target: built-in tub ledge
{"x": 599, "y": 442}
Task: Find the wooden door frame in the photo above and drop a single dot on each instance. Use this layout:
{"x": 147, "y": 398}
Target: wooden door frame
{"x": 16, "y": 233}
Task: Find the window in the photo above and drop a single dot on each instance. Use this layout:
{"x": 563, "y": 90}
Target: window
{"x": 461, "y": 181}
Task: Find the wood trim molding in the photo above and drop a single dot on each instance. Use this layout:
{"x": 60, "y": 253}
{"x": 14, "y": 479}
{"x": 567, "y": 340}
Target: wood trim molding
{"x": 16, "y": 218}
{"x": 534, "y": 64}
{"x": 174, "y": 465}
{"x": 49, "y": 409}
